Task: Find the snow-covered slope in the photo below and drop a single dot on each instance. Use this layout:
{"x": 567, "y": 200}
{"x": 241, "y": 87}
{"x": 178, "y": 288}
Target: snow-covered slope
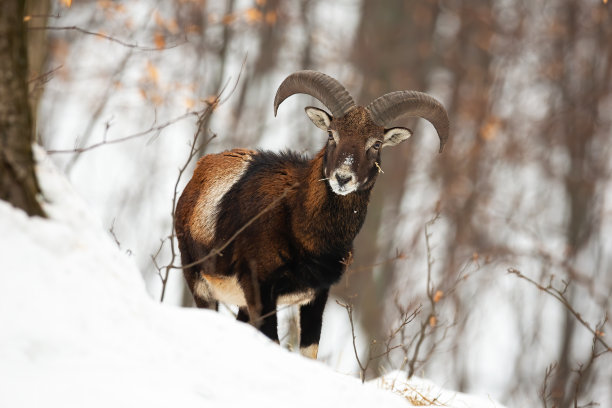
{"x": 77, "y": 329}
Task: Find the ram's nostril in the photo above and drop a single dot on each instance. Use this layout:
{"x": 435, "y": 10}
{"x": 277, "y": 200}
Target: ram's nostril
{"x": 342, "y": 180}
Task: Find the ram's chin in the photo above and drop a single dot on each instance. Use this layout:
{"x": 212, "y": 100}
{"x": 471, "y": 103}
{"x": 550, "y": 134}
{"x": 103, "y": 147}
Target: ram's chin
{"x": 343, "y": 190}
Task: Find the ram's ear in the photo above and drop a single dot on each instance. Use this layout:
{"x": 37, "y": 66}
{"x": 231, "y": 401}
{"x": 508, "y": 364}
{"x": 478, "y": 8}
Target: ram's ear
{"x": 319, "y": 117}
{"x": 396, "y": 135}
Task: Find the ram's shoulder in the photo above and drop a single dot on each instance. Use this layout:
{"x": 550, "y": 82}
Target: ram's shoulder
{"x": 272, "y": 161}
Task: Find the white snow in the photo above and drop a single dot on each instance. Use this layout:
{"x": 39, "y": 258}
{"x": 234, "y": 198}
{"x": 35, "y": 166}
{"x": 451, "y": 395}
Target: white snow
{"x": 77, "y": 329}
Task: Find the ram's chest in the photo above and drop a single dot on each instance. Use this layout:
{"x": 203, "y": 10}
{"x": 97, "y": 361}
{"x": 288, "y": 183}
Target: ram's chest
{"x": 229, "y": 291}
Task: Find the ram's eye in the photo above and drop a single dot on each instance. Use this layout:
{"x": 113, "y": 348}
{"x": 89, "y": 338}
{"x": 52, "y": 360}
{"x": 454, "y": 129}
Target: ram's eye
{"x": 330, "y": 135}
{"x": 376, "y": 145}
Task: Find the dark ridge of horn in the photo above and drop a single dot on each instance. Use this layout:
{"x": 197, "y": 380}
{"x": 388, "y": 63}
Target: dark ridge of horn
{"x": 391, "y": 106}
{"x": 323, "y": 87}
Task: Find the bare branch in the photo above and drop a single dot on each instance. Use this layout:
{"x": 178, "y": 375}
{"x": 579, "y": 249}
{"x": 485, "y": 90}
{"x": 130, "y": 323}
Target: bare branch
{"x": 44, "y": 77}
{"x": 559, "y": 295}
{"x": 203, "y": 117}
{"x": 428, "y": 325}
{"x": 192, "y": 153}
{"x": 153, "y": 129}
{"x": 545, "y": 392}
{"x": 349, "y": 311}
{"x": 219, "y": 250}
{"x": 107, "y": 37}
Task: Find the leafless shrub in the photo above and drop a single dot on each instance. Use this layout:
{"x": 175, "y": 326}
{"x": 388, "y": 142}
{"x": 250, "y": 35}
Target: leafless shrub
{"x": 556, "y": 393}
{"x": 198, "y": 142}
{"x": 417, "y": 346}
{"x": 559, "y": 293}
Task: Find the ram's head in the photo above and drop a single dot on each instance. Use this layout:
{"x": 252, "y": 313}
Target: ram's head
{"x": 357, "y": 134}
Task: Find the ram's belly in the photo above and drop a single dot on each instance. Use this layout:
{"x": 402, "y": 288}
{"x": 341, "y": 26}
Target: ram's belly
{"x": 297, "y": 298}
{"x": 228, "y": 290}
{"x": 223, "y": 289}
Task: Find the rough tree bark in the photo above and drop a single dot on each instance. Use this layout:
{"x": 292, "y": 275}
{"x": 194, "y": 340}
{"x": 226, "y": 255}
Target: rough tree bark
{"x": 18, "y": 184}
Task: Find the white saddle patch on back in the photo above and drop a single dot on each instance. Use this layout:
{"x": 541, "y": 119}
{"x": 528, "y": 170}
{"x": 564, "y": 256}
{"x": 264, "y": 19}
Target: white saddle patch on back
{"x": 204, "y": 222}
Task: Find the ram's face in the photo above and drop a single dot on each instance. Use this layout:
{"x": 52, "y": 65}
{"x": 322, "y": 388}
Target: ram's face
{"x": 354, "y": 144}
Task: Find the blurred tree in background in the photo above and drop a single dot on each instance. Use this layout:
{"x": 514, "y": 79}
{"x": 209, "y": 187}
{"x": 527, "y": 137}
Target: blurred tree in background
{"x": 18, "y": 184}
{"x": 524, "y": 182}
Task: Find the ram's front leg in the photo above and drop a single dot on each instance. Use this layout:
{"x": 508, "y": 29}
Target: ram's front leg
{"x": 311, "y": 320}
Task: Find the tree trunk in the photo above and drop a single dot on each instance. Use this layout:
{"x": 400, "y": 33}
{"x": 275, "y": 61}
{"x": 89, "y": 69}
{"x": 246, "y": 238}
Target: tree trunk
{"x": 18, "y": 183}
{"x": 393, "y": 49}
{"x": 38, "y": 49}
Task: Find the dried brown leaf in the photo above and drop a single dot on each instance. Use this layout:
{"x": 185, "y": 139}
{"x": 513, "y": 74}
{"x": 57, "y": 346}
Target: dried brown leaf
{"x": 228, "y": 19}
{"x": 159, "y": 40}
{"x": 152, "y": 72}
{"x": 253, "y": 15}
{"x": 491, "y": 128}
{"x": 159, "y": 20}
{"x": 271, "y": 17}
{"x": 189, "y": 103}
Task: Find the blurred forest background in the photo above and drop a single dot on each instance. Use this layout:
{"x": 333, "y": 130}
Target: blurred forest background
{"x": 524, "y": 185}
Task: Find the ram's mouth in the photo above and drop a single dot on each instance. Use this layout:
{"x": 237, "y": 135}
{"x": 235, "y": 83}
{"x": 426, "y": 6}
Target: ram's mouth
{"x": 343, "y": 189}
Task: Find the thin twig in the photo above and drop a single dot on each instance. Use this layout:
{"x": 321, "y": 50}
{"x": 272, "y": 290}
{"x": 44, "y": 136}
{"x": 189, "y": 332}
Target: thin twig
{"x": 202, "y": 120}
{"x": 559, "y": 295}
{"x": 157, "y": 128}
{"x": 545, "y": 392}
{"x": 45, "y": 76}
{"x": 219, "y": 250}
{"x": 106, "y": 37}
{"x": 430, "y": 323}
{"x": 349, "y": 311}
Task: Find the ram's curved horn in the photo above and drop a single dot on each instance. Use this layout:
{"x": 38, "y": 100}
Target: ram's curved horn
{"x": 323, "y": 87}
{"x": 391, "y": 106}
